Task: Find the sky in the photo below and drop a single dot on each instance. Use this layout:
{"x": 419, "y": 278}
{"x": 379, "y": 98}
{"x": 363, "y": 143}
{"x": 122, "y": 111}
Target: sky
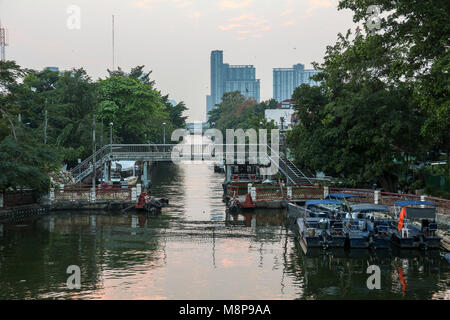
{"x": 173, "y": 38}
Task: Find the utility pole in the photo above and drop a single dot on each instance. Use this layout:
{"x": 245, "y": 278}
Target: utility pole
{"x": 93, "y": 157}
{"x": 45, "y": 126}
{"x": 3, "y": 42}
{"x": 113, "y": 57}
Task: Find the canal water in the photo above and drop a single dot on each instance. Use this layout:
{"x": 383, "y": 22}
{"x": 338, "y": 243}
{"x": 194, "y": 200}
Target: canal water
{"x": 194, "y": 250}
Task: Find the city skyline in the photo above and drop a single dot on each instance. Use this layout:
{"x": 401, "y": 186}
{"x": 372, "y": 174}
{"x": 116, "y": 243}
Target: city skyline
{"x": 227, "y": 78}
{"x": 285, "y": 80}
{"x": 173, "y": 38}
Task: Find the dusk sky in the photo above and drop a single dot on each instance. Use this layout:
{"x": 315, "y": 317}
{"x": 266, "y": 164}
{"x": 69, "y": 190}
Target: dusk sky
{"x": 173, "y": 38}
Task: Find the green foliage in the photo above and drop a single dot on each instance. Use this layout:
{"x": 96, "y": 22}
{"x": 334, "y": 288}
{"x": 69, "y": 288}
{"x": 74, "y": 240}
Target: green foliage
{"x": 136, "y": 109}
{"x": 383, "y": 102}
{"x": 25, "y": 163}
{"x": 236, "y": 112}
{"x": 175, "y": 112}
{"x": 131, "y": 106}
{"x": 416, "y": 34}
{"x": 71, "y": 99}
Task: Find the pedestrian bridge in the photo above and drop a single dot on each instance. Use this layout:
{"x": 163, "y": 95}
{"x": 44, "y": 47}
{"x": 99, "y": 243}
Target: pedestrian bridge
{"x": 189, "y": 152}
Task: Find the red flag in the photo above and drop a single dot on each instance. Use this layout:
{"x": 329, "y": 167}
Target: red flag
{"x": 400, "y": 220}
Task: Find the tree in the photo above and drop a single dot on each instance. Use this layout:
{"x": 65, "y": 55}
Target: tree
{"x": 418, "y": 31}
{"x": 175, "y": 112}
{"x": 26, "y": 164}
{"x": 236, "y": 112}
{"x": 70, "y": 99}
{"x": 24, "y": 161}
{"x": 132, "y": 106}
{"x": 356, "y": 125}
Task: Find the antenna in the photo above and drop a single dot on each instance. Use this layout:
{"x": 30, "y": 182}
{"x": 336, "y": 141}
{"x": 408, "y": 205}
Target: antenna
{"x": 113, "y": 62}
{"x": 3, "y": 42}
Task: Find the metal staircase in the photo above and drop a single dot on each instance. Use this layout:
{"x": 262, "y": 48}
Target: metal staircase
{"x": 293, "y": 174}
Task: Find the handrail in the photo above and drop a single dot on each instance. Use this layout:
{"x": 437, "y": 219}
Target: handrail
{"x": 272, "y": 153}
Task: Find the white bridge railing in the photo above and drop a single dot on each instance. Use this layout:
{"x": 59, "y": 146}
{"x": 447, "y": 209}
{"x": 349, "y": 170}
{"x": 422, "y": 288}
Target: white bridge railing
{"x": 188, "y": 152}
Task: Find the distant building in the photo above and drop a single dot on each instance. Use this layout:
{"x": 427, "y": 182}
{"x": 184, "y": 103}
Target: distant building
{"x": 55, "y": 69}
{"x": 172, "y": 102}
{"x": 285, "y": 80}
{"x": 283, "y": 116}
{"x": 227, "y": 78}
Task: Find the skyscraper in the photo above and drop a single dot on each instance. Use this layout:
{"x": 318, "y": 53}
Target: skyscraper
{"x": 226, "y": 78}
{"x": 285, "y": 80}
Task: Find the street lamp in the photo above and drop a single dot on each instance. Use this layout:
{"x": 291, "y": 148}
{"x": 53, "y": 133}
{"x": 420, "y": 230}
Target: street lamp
{"x": 164, "y": 128}
{"x": 110, "y": 136}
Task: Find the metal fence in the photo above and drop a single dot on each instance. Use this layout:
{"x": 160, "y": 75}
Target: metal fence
{"x": 76, "y": 193}
{"x": 389, "y": 199}
{"x": 275, "y": 192}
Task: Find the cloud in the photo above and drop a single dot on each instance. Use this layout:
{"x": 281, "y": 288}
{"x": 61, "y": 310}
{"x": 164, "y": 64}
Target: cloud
{"x": 195, "y": 15}
{"x": 289, "y": 23}
{"x": 234, "y": 4}
{"x": 318, "y": 4}
{"x": 182, "y": 4}
{"x": 231, "y": 26}
{"x": 286, "y": 12}
{"x": 245, "y": 16}
{"x": 148, "y": 4}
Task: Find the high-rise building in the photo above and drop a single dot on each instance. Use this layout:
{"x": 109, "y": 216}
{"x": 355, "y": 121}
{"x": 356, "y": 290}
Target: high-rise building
{"x": 285, "y": 80}
{"x": 227, "y": 78}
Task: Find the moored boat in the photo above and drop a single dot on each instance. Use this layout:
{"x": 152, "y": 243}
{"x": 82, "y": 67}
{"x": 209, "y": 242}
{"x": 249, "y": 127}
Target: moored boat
{"x": 378, "y": 223}
{"x": 318, "y": 223}
{"x": 413, "y": 234}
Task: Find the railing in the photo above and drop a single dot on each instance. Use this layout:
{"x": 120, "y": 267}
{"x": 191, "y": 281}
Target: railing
{"x": 286, "y": 170}
{"x": 75, "y": 193}
{"x": 275, "y": 193}
{"x": 388, "y": 198}
{"x": 190, "y": 152}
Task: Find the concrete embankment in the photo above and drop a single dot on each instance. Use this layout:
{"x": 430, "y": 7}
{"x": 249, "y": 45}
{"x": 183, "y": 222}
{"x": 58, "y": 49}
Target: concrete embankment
{"x": 23, "y": 211}
{"x": 42, "y": 209}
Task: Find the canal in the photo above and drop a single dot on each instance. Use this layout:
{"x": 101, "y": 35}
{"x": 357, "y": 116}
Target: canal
{"x": 194, "y": 250}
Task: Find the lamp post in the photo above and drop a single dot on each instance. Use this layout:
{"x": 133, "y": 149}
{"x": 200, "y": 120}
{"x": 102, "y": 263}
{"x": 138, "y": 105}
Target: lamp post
{"x": 164, "y": 136}
{"x": 110, "y": 137}
{"x": 164, "y": 129}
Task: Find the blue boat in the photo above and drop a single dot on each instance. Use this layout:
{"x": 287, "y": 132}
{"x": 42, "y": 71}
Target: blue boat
{"x": 319, "y": 223}
{"x": 357, "y": 233}
{"x": 413, "y": 235}
{"x": 380, "y": 228}
{"x": 341, "y": 196}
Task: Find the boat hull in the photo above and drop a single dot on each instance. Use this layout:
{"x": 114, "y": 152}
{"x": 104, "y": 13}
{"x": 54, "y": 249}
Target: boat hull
{"x": 432, "y": 242}
{"x": 312, "y": 242}
{"x": 360, "y": 243}
{"x": 336, "y": 241}
{"x": 408, "y": 243}
{"x": 379, "y": 242}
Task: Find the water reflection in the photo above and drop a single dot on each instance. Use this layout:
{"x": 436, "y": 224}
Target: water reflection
{"x": 337, "y": 274}
{"x": 195, "y": 250}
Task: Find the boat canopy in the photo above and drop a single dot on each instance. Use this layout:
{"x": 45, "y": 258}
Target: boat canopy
{"x": 421, "y": 213}
{"x": 322, "y": 202}
{"x": 341, "y": 196}
{"x": 369, "y": 207}
{"x": 414, "y": 203}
